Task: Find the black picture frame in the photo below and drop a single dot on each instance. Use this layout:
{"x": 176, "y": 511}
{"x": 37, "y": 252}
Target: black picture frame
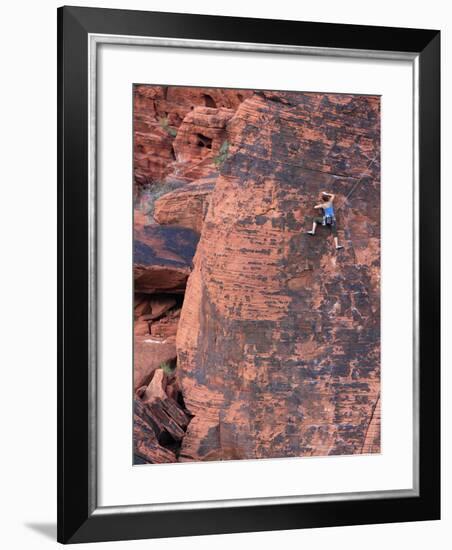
{"x": 78, "y": 519}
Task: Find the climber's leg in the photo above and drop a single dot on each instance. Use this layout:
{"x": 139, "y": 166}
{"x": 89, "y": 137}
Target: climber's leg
{"x": 315, "y": 221}
{"x": 312, "y": 232}
{"x": 338, "y": 246}
{"x": 336, "y": 240}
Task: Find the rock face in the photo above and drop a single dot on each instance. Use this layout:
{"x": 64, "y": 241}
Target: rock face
{"x": 163, "y": 259}
{"x": 159, "y": 422}
{"x": 147, "y": 448}
{"x": 178, "y": 133}
{"x": 186, "y": 206}
{"x": 278, "y": 342}
{"x": 159, "y": 112}
{"x": 149, "y": 353}
{"x": 268, "y": 336}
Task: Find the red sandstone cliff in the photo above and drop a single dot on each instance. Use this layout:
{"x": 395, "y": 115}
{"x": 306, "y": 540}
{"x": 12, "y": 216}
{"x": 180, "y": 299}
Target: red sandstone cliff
{"x": 278, "y": 338}
{"x": 178, "y": 130}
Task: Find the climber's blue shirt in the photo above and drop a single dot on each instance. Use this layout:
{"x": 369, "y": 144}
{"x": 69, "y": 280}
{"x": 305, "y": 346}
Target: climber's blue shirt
{"x": 329, "y": 211}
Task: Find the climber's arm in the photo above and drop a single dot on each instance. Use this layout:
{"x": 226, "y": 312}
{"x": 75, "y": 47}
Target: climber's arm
{"x": 331, "y": 196}
{"x": 317, "y": 206}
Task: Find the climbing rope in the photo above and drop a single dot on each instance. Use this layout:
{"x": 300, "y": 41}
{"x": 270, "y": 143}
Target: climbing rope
{"x": 358, "y": 182}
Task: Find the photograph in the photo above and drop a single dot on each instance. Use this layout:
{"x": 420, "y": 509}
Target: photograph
{"x": 232, "y": 232}
{"x": 256, "y": 274}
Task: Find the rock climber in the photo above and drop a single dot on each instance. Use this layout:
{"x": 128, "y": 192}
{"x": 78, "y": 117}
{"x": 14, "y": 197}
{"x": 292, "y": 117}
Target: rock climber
{"x": 328, "y": 218}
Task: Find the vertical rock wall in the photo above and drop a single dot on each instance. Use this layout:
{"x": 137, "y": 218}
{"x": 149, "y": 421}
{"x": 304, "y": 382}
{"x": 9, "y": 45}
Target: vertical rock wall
{"x": 278, "y": 341}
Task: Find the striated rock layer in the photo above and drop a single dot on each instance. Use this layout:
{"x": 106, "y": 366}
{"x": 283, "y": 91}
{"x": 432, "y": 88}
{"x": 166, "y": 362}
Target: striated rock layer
{"x": 278, "y": 340}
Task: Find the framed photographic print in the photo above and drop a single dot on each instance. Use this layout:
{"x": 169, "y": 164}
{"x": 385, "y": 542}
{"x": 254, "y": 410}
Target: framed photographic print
{"x": 248, "y": 274}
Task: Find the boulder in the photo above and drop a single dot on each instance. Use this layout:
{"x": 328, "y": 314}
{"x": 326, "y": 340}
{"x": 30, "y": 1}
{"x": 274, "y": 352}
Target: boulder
{"x": 187, "y": 206}
{"x": 146, "y": 445}
{"x": 165, "y": 328}
{"x": 165, "y": 245}
{"x": 152, "y": 307}
{"x": 155, "y": 390}
{"x": 149, "y": 353}
{"x": 169, "y": 420}
{"x": 163, "y": 413}
{"x": 157, "y": 278}
{"x": 163, "y": 259}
